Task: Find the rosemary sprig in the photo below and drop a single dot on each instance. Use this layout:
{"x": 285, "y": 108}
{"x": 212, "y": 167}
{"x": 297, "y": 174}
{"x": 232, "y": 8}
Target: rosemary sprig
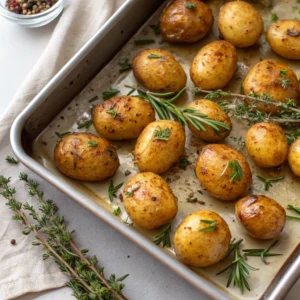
{"x": 125, "y": 65}
{"x": 237, "y": 171}
{"x": 61, "y": 135}
{"x": 109, "y": 93}
{"x": 112, "y": 190}
{"x": 268, "y": 181}
{"x": 93, "y": 99}
{"x": 211, "y": 227}
{"x": 93, "y": 144}
{"x": 153, "y": 55}
{"x": 11, "y": 160}
{"x": 85, "y": 124}
{"x": 296, "y": 210}
{"x": 191, "y": 6}
{"x": 163, "y": 237}
{"x": 162, "y": 134}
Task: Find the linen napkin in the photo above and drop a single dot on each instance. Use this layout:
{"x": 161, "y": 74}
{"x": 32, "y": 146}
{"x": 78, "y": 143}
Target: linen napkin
{"x": 22, "y": 269}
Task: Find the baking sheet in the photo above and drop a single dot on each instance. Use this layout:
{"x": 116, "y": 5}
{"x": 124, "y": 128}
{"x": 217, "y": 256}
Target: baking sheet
{"x": 183, "y": 182}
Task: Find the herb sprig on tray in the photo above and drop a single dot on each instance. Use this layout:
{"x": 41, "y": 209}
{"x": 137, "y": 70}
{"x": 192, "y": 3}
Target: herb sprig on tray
{"x": 163, "y": 237}
{"x": 211, "y": 225}
{"x": 268, "y": 182}
{"x": 296, "y": 210}
{"x": 237, "y": 171}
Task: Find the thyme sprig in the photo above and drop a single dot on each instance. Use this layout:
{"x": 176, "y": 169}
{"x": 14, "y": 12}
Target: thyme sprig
{"x": 163, "y": 237}
{"x": 268, "y": 181}
{"x": 296, "y": 210}
{"x": 292, "y": 135}
{"x": 211, "y": 225}
{"x": 237, "y": 171}
{"x": 162, "y": 134}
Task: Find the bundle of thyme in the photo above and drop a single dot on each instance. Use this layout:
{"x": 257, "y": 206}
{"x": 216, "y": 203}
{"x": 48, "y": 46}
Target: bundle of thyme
{"x": 86, "y": 277}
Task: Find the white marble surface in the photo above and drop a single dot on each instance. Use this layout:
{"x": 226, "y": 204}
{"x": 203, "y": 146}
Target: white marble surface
{"x": 149, "y": 280}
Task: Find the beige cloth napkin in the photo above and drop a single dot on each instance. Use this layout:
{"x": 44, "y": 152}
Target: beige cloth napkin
{"x": 22, "y": 269}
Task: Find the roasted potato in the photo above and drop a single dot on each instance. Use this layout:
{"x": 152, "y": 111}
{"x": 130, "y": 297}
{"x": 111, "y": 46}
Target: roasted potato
{"x": 223, "y": 172}
{"x": 122, "y": 118}
{"x": 185, "y": 22}
{"x": 158, "y": 71}
{"x": 261, "y": 216}
{"x": 149, "y": 201}
{"x": 240, "y": 23}
{"x": 202, "y": 248}
{"x": 160, "y": 145}
{"x": 86, "y": 157}
{"x": 273, "y": 80}
{"x": 294, "y": 157}
{"x": 266, "y": 144}
{"x": 214, "y": 65}
{"x": 214, "y": 112}
{"x": 283, "y": 37}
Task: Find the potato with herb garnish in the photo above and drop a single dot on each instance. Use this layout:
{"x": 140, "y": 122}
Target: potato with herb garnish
{"x": 202, "y": 239}
{"x": 160, "y": 145}
{"x": 149, "y": 201}
{"x": 158, "y": 71}
{"x": 240, "y": 23}
{"x": 86, "y": 157}
{"x": 266, "y": 144}
{"x": 223, "y": 172}
{"x": 272, "y": 81}
{"x": 261, "y": 216}
{"x": 122, "y": 118}
{"x": 214, "y": 112}
{"x": 185, "y": 21}
{"x": 294, "y": 157}
{"x": 214, "y": 65}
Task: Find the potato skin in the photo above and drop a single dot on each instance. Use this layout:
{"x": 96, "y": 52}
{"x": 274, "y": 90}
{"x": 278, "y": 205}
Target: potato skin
{"x": 265, "y": 78}
{"x": 261, "y": 216}
{"x": 201, "y": 249}
{"x": 162, "y": 74}
{"x": 283, "y": 37}
{"x": 266, "y": 144}
{"x": 240, "y": 23}
{"x": 210, "y": 165}
{"x": 154, "y": 155}
{"x": 152, "y": 204}
{"x": 76, "y": 159}
{"x": 181, "y": 24}
{"x": 214, "y": 65}
{"x": 294, "y": 157}
{"x": 215, "y": 112}
{"x": 133, "y": 115}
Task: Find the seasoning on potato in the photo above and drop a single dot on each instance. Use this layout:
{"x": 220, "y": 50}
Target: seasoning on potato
{"x": 86, "y": 157}
{"x": 240, "y": 23}
{"x": 223, "y": 172}
{"x": 266, "y": 144}
{"x": 186, "y": 21}
{"x": 214, "y": 65}
{"x": 214, "y": 112}
{"x": 272, "y": 81}
{"x": 294, "y": 157}
{"x": 149, "y": 201}
{"x": 261, "y": 216}
{"x": 122, "y": 118}
{"x": 283, "y": 37}
{"x": 160, "y": 145}
{"x": 158, "y": 71}
{"x": 202, "y": 239}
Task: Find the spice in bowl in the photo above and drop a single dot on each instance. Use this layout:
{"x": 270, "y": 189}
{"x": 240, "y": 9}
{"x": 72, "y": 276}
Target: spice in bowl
{"x": 29, "y": 7}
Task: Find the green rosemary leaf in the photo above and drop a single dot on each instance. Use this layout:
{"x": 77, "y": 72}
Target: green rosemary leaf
{"x": 153, "y": 55}
{"x": 130, "y": 92}
{"x": 112, "y": 190}
{"x": 11, "y": 160}
{"x": 93, "y": 99}
{"x": 274, "y": 17}
{"x": 162, "y": 134}
{"x": 130, "y": 191}
{"x": 117, "y": 211}
{"x": 163, "y": 237}
{"x": 294, "y": 208}
{"x": 93, "y": 144}
{"x": 155, "y": 29}
{"x": 211, "y": 227}
{"x": 237, "y": 171}
{"x": 268, "y": 181}
{"x": 85, "y": 124}
{"x": 61, "y": 135}
{"x": 292, "y": 218}
{"x": 191, "y": 5}
{"x": 124, "y": 66}
{"x": 112, "y": 112}
{"x": 109, "y": 93}
{"x": 144, "y": 42}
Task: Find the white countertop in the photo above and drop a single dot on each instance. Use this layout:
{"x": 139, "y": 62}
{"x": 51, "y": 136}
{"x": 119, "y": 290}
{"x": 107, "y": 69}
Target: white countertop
{"x": 19, "y": 50}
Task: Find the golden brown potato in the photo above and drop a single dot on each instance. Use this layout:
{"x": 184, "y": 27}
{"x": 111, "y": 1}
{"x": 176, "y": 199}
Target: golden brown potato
{"x": 122, "y": 118}
{"x": 160, "y": 74}
{"x": 261, "y": 216}
{"x": 294, "y": 157}
{"x": 266, "y": 144}
{"x": 86, "y": 157}
{"x": 273, "y": 79}
{"x": 240, "y": 23}
{"x": 185, "y": 22}
{"x": 214, "y": 65}
{"x": 202, "y": 248}
{"x": 215, "y": 169}
{"x": 214, "y": 112}
{"x": 160, "y": 145}
{"x": 149, "y": 201}
{"x": 283, "y": 37}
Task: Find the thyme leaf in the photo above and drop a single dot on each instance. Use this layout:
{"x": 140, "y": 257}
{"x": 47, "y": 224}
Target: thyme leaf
{"x": 112, "y": 112}
{"x": 163, "y": 237}
{"x": 292, "y": 135}
{"x": 285, "y": 82}
{"x": 162, "y": 134}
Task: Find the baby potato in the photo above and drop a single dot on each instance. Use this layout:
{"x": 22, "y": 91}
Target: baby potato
{"x": 214, "y": 65}
{"x": 294, "y": 157}
{"x": 158, "y": 71}
{"x": 179, "y": 23}
{"x": 271, "y": 78}
{"x": 86, "y": 157}
{"x": 266, "y": 144}
{"x": 122, "y": 118}
{"x": 214, "y": 112}
{"x": 240, "y": 23}
{"x": 261, "y": 216}
{"x": 149, "y": 201}
{"x": 202, "y": 248}
{"x": 223, "y": 172}
{"x": 283, "y": 37}
{"x": 160, "y": 145}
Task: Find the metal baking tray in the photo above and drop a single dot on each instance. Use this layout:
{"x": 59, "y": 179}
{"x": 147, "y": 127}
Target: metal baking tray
{"x": 93, "y": 70}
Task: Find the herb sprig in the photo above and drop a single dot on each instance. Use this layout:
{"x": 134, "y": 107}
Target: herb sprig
{"x": 268, "y": 181}
{"x": 162, "y": 134}
{"x": 211, "y": 226}
{"x": 93, "y": 144}
{"x": 125, "y": 65}
{"x": 292, "y": 135}
{"x": 237, "y": 171}
{"x": 153, "y": 55}
{"x": 11, "y": 160}
{"x": 112, "y": 190}
{"x": 285, "y": 82}
{"x": 109, "y": 93}
{"x": 296, "y": 210}
{"x": 112, "y": 112}
{"x": 163, "y": 237}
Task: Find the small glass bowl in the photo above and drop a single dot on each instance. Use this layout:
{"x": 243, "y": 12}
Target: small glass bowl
{"x": 32, "y": 21}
